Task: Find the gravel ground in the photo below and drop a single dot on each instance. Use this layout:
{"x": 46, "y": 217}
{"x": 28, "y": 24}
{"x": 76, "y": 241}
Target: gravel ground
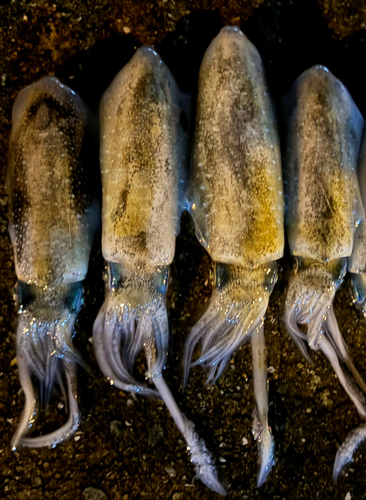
{"x": 129, "y": 448}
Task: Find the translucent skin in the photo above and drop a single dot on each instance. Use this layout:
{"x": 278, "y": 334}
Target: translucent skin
{"x": 142, "y": 158}
{"x": 236, "y": 192}
{"x": 236, "y": 201}
{"x": 143, "y": 151}
{"x": 323, "y": 208}
{"x": 322, "y": 194}
{"x": 52, "y": 215}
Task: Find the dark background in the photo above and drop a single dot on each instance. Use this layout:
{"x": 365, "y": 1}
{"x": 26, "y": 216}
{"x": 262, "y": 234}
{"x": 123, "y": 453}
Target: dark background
{"x": 130, "y": 448}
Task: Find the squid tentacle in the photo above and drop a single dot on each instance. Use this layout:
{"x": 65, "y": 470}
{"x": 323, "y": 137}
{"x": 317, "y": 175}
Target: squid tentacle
{"x": 44, "y": 351}
{"x": 347, "y": 449}
{"x": 309, "y": 301}
{"x": 235, "y": 315}
{"x": 261, "y": 430}
{"x": 134, "y": 318}
{"x": 66, "y": 430}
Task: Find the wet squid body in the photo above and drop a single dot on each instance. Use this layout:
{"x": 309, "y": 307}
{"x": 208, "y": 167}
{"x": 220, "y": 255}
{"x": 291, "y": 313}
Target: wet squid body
{"x": 323, "y": 208}
{"x": 357, "y": 268}
{"x": 236, "y": 201}
{"x": 53, "y": 217}
{"x": 143, "y": 154}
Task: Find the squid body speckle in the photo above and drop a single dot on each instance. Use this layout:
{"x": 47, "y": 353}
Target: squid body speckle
{"x": 143, "y": 155}
{"x": 53, "y": 216}
{"x": 236, "y": 201}
{"x": 323, "y": 209}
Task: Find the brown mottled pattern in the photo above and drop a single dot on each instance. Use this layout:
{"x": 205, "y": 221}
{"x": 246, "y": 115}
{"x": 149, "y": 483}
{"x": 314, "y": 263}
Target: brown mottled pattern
{"x": 139, "y": 161}
{"x": 236, "y": 191}
{"x": 324, "y": 130}
{"x": 48, "y": 190}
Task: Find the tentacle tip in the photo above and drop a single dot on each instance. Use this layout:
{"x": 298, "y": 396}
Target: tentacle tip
{"x": 347, "y": 449}
{"x": 266, "y": 458}
{"x": 335, "y": 476}
{"x": 263, "y": 473}
{"x": 338, "y": 468}
{"x": 343, "y": 458}
{"x": 208, "y": 476}
{"x": 309, "y": 359}
{"x": 16, "y": 441}
{"x": 204, "y": 466}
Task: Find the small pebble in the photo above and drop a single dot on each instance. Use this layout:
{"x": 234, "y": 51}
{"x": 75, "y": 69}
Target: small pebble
{"x": 116, "y": 429}
{"x": 180, "y": 495}
{"x": 155, "y": 434}
{"x": 36, "y": 481}
{"x": 170, "y": 471}
{"x": 94, "y": 494}
{"x": 244, "y": 441}
{"x": 126, "y": 30}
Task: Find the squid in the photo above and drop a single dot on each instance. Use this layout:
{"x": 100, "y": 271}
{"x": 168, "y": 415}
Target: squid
{"x": 236, "y": 200}
{"x": 143, "y": 119}
{"x": 323, "y": 210}
{"x": 357, "y": 268}
{"x": 54, "y": 214}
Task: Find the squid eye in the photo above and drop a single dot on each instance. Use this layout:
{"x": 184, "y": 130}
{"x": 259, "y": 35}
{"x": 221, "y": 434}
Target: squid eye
{"x": 359, "y": 292}
{"x": 162, "y": 277}
{"x": 23, "y": 294}
{"x": 221, "y": 276}
{"x": 114, "y": 275}
{"x": 75, "y": 298}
